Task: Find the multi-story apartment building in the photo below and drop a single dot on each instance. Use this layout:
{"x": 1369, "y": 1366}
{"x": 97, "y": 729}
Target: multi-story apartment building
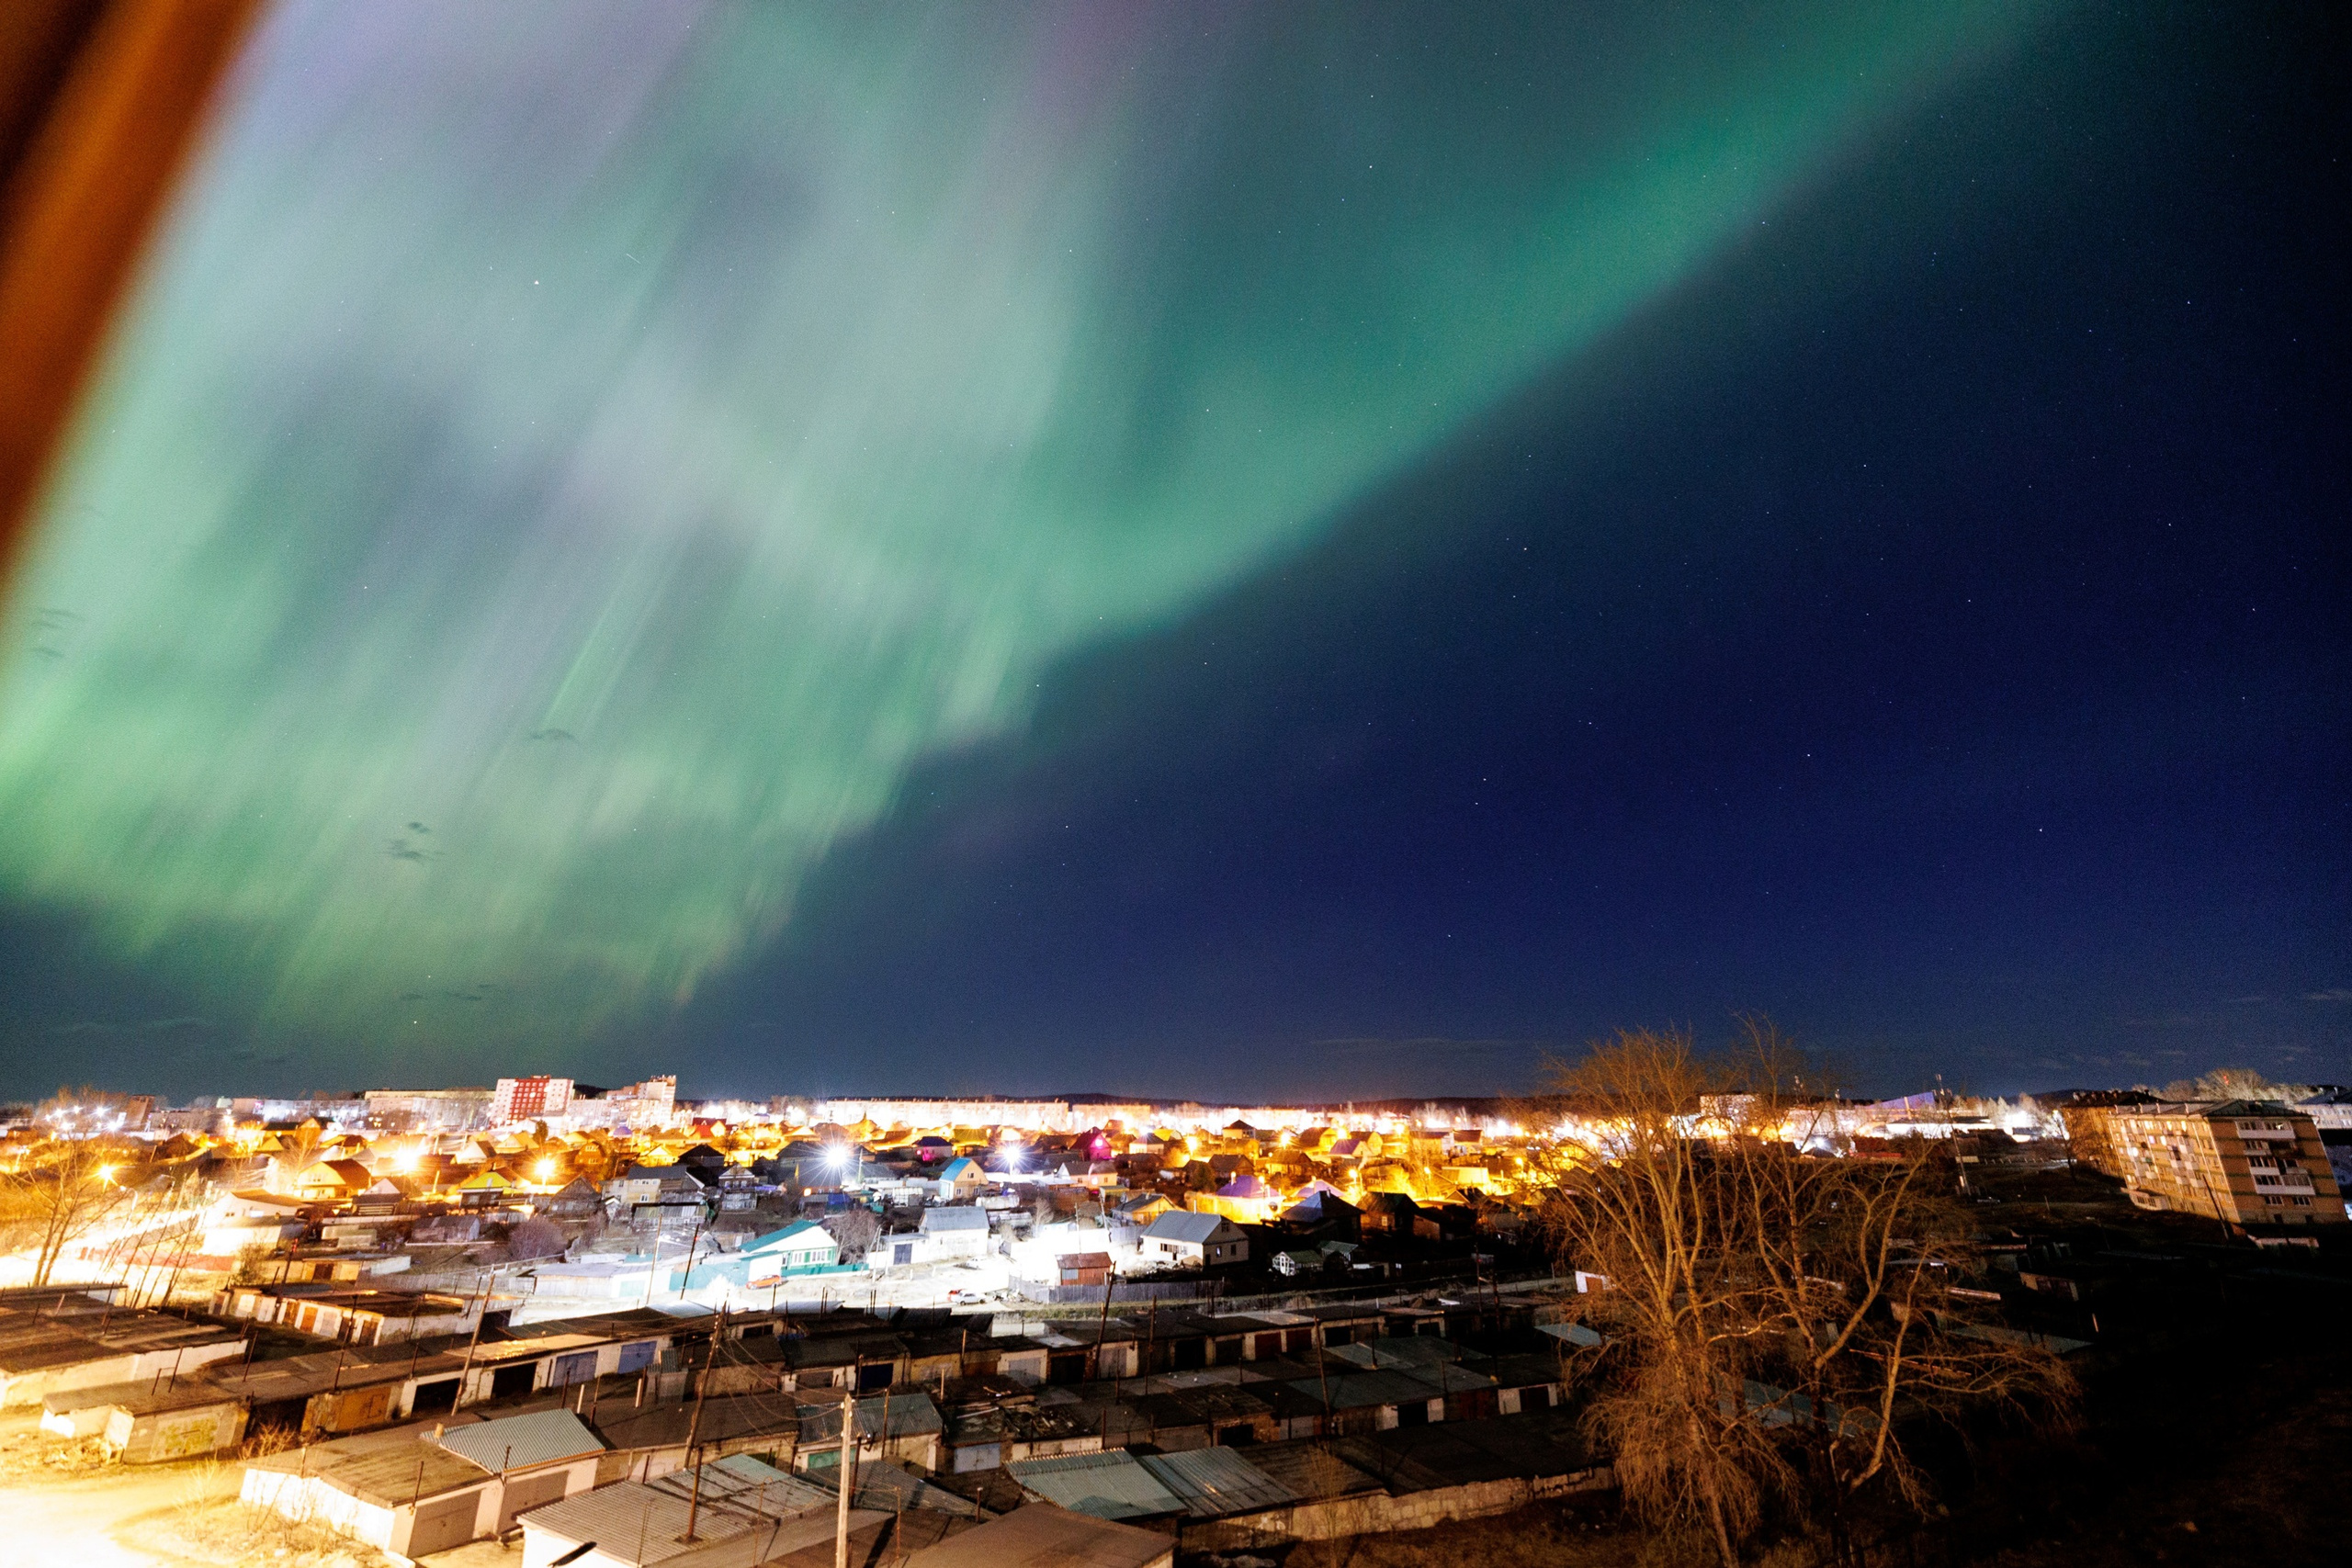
{"x": 650, "y": 1103}
{"x": 425, "y": 1110}
{"x": 522, "y": 1099}
{"x": 2089, "y": 1122}
{"x": 2249, "y": 1162}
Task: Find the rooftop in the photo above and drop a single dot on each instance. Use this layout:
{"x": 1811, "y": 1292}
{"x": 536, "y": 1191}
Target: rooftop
{"x": 519, "y": 1442}
{"x": 1113, "y": 1485}
{"x": 1043, "y": 1536}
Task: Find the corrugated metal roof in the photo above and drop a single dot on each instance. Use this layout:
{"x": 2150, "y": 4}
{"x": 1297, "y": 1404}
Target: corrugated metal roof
{"x": 639, "y": 1522}
{"x": 910, "y": 1414}
{"x": 1413, "y": 1352}
{"x": 1574, "y": 1333}
{"x": 1103, "y": 1486}
{"x": 617, "y": 1518}
{"x": 1451, "y": 1379}
{"x": 954, "y": 1219}
{"x": 1309, "y": 1471}
{"x": 1178, "y": 1224}
{"x": 390, "y": 1477}
{"x": 518, "y": 1442}
{"x": 1040, "y": 1535}
{"x": 1217, "y": 1482}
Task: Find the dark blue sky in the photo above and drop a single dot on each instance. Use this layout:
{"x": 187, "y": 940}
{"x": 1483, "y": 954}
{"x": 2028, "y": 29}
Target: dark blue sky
{"x": 1921, "y": 620}
{"x": 1928, "y": 628}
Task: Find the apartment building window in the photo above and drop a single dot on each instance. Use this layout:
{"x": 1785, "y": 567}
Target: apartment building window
{"x": 2302, "y": 1202}
{"x": 2274, "y": 1201}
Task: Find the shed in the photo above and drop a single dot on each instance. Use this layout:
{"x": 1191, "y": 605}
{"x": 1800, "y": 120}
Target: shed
{"x": 146, "y": 1422}
{"x": 409, "y": 1498}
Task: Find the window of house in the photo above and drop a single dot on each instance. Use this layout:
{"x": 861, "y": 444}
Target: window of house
{"x": 2274, "y": 1201}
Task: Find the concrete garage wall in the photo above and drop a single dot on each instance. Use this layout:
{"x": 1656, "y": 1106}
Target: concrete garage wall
{"x": 1377, "y": 1513}
{"x": 178, "y": 1434}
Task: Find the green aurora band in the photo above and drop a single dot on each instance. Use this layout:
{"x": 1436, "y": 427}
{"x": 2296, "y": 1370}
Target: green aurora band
{"x": 564, "y": 468}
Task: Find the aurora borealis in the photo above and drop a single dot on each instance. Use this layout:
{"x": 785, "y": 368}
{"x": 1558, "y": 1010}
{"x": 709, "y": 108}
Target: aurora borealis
{"x": 569, "y": 469}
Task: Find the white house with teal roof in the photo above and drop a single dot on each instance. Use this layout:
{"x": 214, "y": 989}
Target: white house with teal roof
{"x": 803, "y": 1244}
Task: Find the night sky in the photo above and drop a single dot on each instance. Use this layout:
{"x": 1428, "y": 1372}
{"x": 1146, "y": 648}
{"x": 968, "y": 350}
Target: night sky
{"x": 1247, "y": 551}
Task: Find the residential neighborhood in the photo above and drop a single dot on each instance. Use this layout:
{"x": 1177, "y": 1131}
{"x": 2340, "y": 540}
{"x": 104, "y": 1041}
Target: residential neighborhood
{"x": 422, "y": 1328}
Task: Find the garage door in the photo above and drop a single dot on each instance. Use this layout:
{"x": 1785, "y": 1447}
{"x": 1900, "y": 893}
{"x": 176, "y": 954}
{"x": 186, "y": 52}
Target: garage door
{"x": 443, "y": 1523}
{"x": 527, "y": 1493}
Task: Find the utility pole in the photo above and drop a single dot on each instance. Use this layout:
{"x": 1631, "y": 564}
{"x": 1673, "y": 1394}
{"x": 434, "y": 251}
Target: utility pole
{"x": 848, "y": 1478}
{"x": 693, "y": 1428}
{"x": 482, "y": 1310}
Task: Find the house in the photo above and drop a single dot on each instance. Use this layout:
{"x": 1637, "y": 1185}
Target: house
{"x": 961, "y": 1182}
{"x": 739, "y": 1188}
{"x": 579, "y": 1199}
{"x": 1198, "y": 1240}
{"x": 1246, "y": 1198}
{"x": 802, "y": 1244}
{"x": 653, "y": 1183}
{"x": 250, "y": 1219}
{"x": 1398, "y": 1214}
{"x": 1040, "y": 1535}
{"x": 1322, "y": 1214}
{"x": 944, "y": 1233}
{"x": 332, "y": 1181}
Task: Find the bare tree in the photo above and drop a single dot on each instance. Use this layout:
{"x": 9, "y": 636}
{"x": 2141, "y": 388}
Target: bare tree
{"x": 855, "y": 1230}
{"x": 1774, "y": 1322}
{"x": 58, "y": 1194}
{"x": 297, "y": 1147}
{"x": 534, "y": 1237}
